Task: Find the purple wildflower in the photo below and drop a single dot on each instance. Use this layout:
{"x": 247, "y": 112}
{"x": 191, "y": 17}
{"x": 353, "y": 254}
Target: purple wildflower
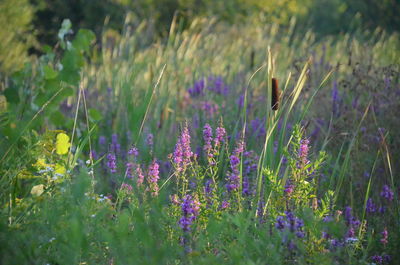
{"x": 246, "y": 187}
{"x": 350, "y": 233}
{"x": 207, "y": 136}
{"x": 377, "y": 259}
{"x": 303, "y": 151}
{"x": 133, "y": 151}
{"x": 150, "y": 140}
{"x": 197, "y": 89}
{"x": 115, "y": 146}
{"x": 190, "y": 210}
{"x": 208, "y": 188}
{"x": 126, "y": 187}
{"x": 370, "y": 207}
{"x": 102, "y": 140}
{"x": 128, "y": 172}
{"x": 385, "y": 235}
{"x": 216, "y": 84}
{"x": 225, "y": 205}
{"x": 140, "y": 176}
{"x": 234, "y": 175}
{"x": 289, "y": 188}
{"x": 183, "y": 152}
{"x": 347, "y": 214}
{"x": 220, "y": 136}
{"x": 387, "y": 193}
{"x": 280, "y": 223}
{"x": 174, "y": 199}
{"x": 153, "y": 178}
{"x": 112, "y": 162}
{"x": 209, "y": 108}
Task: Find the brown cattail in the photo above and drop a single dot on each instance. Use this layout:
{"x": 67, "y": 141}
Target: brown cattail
{"x": 275, "y": 94}
{"x": 252, "y": 55}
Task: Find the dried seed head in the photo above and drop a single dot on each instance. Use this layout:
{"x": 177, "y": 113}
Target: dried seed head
{"x": 275, "y": 94}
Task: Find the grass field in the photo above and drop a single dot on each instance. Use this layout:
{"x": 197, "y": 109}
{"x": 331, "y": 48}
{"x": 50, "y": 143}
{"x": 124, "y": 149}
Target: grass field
{"x": 220, "y": 144}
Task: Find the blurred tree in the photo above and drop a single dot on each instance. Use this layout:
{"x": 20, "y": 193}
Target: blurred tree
{"x": 82, "y": 13}
{"x": 16, "y": 34}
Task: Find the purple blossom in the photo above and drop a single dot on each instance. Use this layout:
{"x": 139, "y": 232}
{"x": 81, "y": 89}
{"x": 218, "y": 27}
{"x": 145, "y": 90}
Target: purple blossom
{"x": 216, "y": 84}
{"x": 370, "y": 207}
{"x": 93, "y": 155}
{"x": 115, "y": 146}
{"x": 150, "y": 140}
{"x": 385, "y": 235}
{"x": 129, "y": 168}
{"x": 280, "y": 223}
{"x": 387, "y": 193}
{"x": 183, "y": 152}
{"x": 208, "y": 187}
{"x": 350, "y": 233}
{"x": 209, "y": 107}
{"x": 174, "y": 199}
{"x": 220, "y": 136}
{"x": 133, "y": 151}
{"x": 140, "y": 176}
{"x": 377, "y": 259}
{"x": 102, "y": 141}
{"x": 348, "y": 215}
{"x": 112, "y": 162}
{"x": 289, "y": 188}
{"x": 207, "y": 136}
{"x": 153, "y": 178}
{"x": 234, "y": 174}
{"x": 303, "y": 151}
{"x": 239, "y": 148}
{"x": 197, "y": 89}
{"x": 126, "y": 187}
{"x": 190, "y": 210}
{"x": 246, "y": 187}
{"x": 225, "y": 205}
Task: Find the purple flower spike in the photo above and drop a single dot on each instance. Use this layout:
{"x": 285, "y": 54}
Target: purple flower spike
{"x": 371, "y": 207}
{"x": 129, "y": 168}
{"x": 112, "y": 162}
{"x": 153, "y": 178}
{"x": 150, "y": 140}
{"x": 126, "y": 187}
{"x": 115, "y": 146}
{"x": 190, "y": 210}
{"x": 303, "y": 151}
{"x": 140, "y": 176}
{"x": 207, "y": 136}
{"x": 280, "y": 223}
{"x": 133, "y": 151}
{"x": 385, "y": 236}
{"x": 387, "y": 193}
{"x": 225, "y": 205}
{"x": 220, "y": 136}
{"x": 183, "y": 153}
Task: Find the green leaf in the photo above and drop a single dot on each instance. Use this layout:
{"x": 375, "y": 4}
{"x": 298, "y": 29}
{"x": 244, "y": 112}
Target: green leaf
{"x": 49, "y": 72}
{"x": 11, "y": 95}
{"x": 95, "y": 114}
{"x": 83, "y": 40}
{"x": 57, "y": 118}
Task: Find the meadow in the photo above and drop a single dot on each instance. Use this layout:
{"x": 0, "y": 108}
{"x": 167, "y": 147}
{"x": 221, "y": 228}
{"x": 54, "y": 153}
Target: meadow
{"x": 219, "y": 144}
